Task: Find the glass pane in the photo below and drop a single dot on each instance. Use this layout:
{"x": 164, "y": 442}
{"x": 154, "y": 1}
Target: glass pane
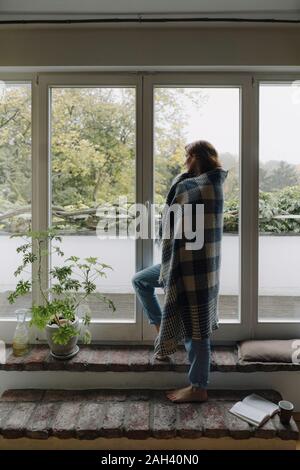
{"x": 182, "y": 115}
{"x": 279, "y": 203}
{"x": 15, "y": 187}
{"x": 93, "y": 165}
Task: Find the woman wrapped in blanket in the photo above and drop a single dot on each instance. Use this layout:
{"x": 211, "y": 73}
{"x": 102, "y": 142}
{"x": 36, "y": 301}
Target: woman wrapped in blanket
{"x": 189, "y": 270}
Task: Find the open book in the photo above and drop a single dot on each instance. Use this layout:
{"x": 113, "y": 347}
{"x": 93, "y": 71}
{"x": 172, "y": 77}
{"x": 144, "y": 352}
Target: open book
{"x": 254, "y": 409}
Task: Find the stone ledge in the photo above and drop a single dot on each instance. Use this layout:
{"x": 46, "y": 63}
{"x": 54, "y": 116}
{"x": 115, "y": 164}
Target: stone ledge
{"x": 133, "y": 359}
{"x": 139, "y": 414}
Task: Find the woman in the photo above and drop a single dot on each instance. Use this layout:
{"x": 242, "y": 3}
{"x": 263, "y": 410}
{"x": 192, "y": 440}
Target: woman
{"x": 190, "y": 277}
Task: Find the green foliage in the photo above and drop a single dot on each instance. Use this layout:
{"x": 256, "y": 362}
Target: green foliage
{"x": 22, "y": 288}
{"x": 15, "y": 158}
{"x": 86, "y": 337}
{"x": 285, "y": 202}
{"x": 93, "y": 151}
{"x": 41, "y": 315}
{"x": 279, "y": 176}
{"x": 231, "y": 215}
{"x": 75, "y": 282}
{"x": 289, "y": 200}
{"x": 275, "y": 209}
{"x": 93, "y": 158}
{"x": 64, "y": 334}
{"x": 93, "y": 146}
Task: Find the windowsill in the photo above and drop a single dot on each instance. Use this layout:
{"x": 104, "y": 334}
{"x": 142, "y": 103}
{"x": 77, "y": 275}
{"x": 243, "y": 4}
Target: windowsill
{"x": 95, "y": 358}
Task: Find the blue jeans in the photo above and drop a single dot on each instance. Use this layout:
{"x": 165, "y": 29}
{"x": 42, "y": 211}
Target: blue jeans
{"x": 144, "y": 283}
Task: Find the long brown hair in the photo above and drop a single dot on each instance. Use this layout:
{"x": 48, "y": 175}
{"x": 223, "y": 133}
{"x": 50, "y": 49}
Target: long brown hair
{"x": 206, "y": 155}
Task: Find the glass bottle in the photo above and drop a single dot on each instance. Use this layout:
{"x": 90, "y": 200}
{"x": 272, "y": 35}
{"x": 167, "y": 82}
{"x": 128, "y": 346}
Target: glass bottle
{"x": 21, "y": 335}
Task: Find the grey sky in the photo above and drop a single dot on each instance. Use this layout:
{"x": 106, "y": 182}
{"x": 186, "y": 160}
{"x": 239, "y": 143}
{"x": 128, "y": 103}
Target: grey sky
{"x": 218, "y": 121}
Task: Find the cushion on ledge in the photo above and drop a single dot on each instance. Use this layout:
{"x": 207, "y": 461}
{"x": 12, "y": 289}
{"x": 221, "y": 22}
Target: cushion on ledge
{"x": 268, "y": 350}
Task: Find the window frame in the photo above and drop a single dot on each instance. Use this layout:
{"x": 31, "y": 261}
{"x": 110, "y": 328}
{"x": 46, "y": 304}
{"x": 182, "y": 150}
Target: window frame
{"x": 8, "y": 324}
{"x": 101, "y": 331}
{"x": 248, "y": 82}
{"x": 280, "y": 329}
{"x": 227, "y": 331}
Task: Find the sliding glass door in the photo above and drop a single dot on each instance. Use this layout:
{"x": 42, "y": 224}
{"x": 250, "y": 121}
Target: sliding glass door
{"x": 93, "y": 166}
{"x": 189, "y": 107}
{"x": 186, "y": 114}
{"x": 93, "y": 169}
{"x": 279, "y": 207}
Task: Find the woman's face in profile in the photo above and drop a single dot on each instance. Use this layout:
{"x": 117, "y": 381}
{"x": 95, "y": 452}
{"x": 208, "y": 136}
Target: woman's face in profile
{"x": 190, "y": 163}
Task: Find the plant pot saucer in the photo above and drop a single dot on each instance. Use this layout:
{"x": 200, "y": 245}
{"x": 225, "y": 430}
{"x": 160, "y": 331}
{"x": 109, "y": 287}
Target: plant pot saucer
{"x": 68, "y": 356}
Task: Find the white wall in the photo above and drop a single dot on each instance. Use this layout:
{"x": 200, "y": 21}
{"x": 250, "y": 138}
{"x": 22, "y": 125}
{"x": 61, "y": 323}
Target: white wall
{"x": 287, "y": 383}
{"x": 203, "y": 45}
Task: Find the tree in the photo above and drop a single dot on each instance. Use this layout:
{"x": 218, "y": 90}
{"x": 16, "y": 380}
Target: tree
{"x": 281, "y": 176}
{"x": 93, "y": 145}
{"x": 15, "y": 152}
{"x": 231, "y": 163}
{"x": 170, "y": 133}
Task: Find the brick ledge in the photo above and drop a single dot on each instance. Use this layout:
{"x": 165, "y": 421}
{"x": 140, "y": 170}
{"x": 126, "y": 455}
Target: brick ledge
{"x": 133, "y": 359}
{"x": 139, "y": 414}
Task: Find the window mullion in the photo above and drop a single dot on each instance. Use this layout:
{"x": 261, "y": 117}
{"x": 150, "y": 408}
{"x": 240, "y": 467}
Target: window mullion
{"x": 40, "y": 172}
{"x": 248, "y": 212}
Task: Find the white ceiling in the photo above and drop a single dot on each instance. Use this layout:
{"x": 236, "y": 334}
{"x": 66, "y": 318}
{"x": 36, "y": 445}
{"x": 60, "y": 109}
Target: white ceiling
{"x": 97, "y": 8}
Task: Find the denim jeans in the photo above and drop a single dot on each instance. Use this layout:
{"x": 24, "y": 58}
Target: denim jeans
{"x": 144, "y": 283}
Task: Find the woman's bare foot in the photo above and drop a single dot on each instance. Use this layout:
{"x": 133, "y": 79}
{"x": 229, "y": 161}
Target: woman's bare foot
{"x": 187, "y": 394}
{"x": 160, "y": 357}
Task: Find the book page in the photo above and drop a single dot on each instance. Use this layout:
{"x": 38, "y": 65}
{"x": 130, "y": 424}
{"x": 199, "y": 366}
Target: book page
{"x": 253, "y": 415}
{"x": 261, "y": 403}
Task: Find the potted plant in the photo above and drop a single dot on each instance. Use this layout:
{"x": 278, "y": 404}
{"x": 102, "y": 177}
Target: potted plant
{"x": 71, "y": 285}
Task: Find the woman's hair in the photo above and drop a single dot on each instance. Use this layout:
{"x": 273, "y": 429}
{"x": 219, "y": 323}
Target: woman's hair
{"x": 206, "y": 155}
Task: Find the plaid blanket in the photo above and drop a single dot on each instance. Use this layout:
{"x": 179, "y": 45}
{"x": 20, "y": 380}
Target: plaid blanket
{"x": 190, "y": 278}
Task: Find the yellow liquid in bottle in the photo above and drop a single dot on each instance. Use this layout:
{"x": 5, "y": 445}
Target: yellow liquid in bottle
{"x": 20, "y": 343}
{"x": 20, "y": 349}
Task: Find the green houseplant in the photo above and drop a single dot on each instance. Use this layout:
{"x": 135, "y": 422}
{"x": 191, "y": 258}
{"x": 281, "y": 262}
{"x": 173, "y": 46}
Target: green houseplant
{"x": 71, "y": 285}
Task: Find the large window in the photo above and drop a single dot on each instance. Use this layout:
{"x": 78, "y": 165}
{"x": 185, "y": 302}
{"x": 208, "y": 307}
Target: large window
{"x": 182, "y": 115}
{"x": 93, "y": 169}
{"x": 75, "y": 145}
{"x": 15, "y": 185}
{"x": 279, "y": 203}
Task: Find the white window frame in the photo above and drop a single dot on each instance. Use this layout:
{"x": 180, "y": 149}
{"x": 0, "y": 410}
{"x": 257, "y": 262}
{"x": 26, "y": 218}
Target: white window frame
{"x": 280, "y": 329}
{"x": 8, "y": 324}
{"x": 139, "y": 330}
{"x": 114, "y": 331}
{"x": 105, "y": 331}
{"x": 227, "y": 331}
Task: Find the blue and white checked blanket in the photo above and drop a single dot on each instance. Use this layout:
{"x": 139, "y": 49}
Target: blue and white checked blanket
{"x": 190, "y": 278}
